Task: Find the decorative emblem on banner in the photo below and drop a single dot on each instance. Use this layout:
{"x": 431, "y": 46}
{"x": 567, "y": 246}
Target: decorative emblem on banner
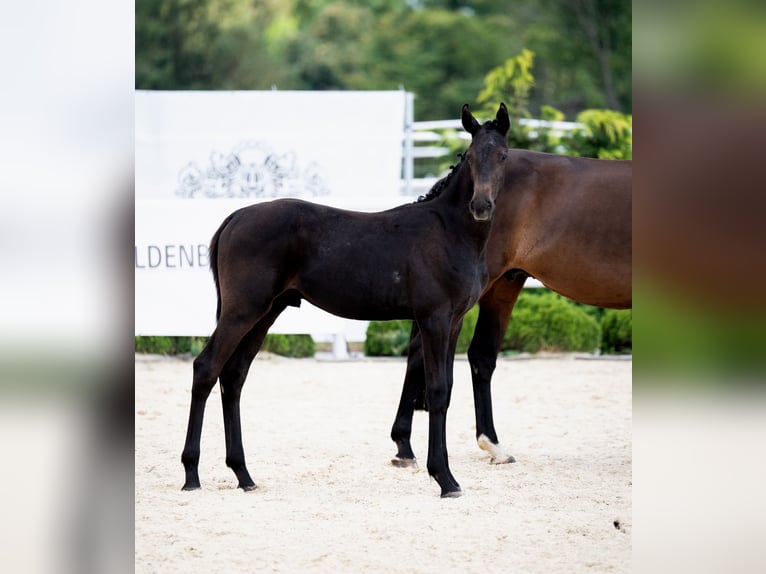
{"x": 252, "y": 169}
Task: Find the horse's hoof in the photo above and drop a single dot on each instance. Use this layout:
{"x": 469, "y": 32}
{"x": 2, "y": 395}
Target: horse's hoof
{"x": 404, "y": 462}
{"x": 453, "y": 494}
{"x": 190, "y": 487}
{"x": 248, "y": 488}
{"x": 503, "y": 460}
{"x": 499, "y": 456}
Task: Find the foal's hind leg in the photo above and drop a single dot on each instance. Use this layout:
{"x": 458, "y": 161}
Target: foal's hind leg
{"x": 494, "y": 313}
{"x": 413, "y": 396}
{"x": 207, "y": 367}
{"x": 233, "y": 378}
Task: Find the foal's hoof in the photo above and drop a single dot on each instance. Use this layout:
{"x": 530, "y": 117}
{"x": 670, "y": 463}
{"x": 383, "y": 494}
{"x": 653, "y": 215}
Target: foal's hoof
{"x": 404, "y": 462}
{"x": 248, "y": 488}
{"x": 190, "y": 487}
{"x": 453, "y": 494}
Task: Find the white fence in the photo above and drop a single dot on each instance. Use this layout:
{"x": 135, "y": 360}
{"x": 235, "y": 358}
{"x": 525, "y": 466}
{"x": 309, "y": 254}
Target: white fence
{"x": 421, "y": 140}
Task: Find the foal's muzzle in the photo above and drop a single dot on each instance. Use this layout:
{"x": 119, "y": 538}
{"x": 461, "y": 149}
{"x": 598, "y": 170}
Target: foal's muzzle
{"x": 481, "y": 208}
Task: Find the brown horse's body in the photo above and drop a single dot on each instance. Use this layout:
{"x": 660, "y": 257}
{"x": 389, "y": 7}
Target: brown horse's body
{"x": 567, "y": 222}
{"x": 562, "y": 220}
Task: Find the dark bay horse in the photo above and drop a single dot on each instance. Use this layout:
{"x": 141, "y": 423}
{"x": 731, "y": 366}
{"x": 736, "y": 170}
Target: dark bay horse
{"x": 563, "y": 220}
{"x": 424, "y": 261}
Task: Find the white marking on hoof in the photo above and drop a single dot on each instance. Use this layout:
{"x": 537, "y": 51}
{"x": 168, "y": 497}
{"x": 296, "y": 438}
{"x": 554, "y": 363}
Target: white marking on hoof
{"x": 499, "y": 456}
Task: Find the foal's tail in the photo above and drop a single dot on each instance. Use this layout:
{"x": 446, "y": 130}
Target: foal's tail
{"x": 213, "y": 255}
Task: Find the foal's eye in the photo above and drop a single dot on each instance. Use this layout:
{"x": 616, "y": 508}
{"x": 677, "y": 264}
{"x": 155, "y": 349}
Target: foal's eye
{"x": 504, "y": 157}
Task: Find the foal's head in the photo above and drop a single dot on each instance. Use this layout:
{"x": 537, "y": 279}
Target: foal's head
{"x": 486, "y": 156}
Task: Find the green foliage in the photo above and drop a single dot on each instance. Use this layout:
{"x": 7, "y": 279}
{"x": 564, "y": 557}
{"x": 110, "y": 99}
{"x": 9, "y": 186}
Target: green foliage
{"x": 548, "y": 322}
{"x": 605, "y": 134}
{"x": 439, "y": 50}
{"x": 542, "y": 321}
{"x": 392, "y": 338}
{"x": 439, "y": 54}
{"x": 387, "y": 338}
{"x": 289, "y": 345}
{"x": 466, "y": 332}
{"x": 510, "y": 82}
{"x": 170, "y": 345}
{"x": 551, "y": 114}
{"x": 617, "y": 331}
{"x": 154, "y": 345}
{"x": 585, "y": 52}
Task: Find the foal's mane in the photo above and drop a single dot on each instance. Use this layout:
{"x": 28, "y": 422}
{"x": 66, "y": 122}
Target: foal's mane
{"x": 440, "y": 185}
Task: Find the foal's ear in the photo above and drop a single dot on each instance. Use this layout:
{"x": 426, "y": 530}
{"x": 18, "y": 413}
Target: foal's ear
{"x": 503, "y": 121}
{"x": 469, "y": 122}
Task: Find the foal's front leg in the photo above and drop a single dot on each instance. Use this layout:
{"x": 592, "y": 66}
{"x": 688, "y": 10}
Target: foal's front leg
{"x": 436, "y": 349}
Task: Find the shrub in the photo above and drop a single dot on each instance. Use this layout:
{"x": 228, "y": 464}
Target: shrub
{"x": 542, "y": 321}
{"x": 299, "y": 346}
{"x": 287, "y": 345}
{"x": 154, "y": 345}
{"x": 548, "y": 322}
{"x": 617, "y": 331}
{"x": 387, "y": 338}
{"x": 605, "y": 134}
{"x": 392, "y": 338}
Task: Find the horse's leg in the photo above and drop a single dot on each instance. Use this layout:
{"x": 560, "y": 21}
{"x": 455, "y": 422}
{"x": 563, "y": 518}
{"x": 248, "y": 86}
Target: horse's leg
{"x": 436, "y": 332}
{"x": 495, "y": 308}
{"x": 413, "y": 396}
{"x": 233, "y": 378}
{"x": 207, "y": 367}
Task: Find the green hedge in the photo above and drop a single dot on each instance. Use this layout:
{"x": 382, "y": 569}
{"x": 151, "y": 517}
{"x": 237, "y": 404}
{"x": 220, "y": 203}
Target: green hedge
{"x": 617, "y": 331}
{"x": 550, "y": 323}
{"x": 391, "y": 338}
{"x": 287, "y": 345}
{"x": 170, "y": 345}
{"x": 387, "y": 338}
{"x": 542, "y": 321}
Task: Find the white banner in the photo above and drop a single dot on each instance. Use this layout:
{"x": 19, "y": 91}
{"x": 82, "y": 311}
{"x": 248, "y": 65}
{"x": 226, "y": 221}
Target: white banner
{"x": 201, "y": 155}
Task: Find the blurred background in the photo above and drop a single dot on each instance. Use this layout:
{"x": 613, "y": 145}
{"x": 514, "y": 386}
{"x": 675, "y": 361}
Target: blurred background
{"x": 563, "y": 69}
{"x": 440, "y": 50}
{"x": 697, "y": 73}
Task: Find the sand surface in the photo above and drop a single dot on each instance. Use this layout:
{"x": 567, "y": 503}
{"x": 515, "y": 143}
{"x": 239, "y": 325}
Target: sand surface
{"x": 316, "y": 438}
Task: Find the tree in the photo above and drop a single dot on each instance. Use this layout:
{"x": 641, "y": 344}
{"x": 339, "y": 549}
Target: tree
{"x": 439, "y": 49}
{"x": 585, "y": 51}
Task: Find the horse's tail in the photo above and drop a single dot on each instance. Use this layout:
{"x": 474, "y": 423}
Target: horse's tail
{"x": 213, "y": 255}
